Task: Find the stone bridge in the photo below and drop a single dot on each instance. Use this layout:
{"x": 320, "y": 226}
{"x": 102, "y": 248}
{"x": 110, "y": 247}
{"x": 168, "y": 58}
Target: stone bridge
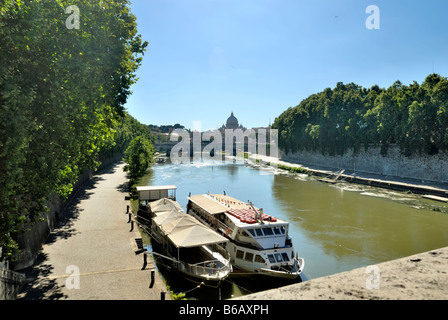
{"x": 165, "y": 147}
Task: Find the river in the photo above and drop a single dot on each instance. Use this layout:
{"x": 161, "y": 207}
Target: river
{"x": 335, "y": 228}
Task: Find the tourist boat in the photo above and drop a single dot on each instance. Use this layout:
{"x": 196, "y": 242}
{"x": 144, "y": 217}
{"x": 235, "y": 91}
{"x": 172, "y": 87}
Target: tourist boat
{"x": 185, "y": 245}
{"x": 259, "y": 243}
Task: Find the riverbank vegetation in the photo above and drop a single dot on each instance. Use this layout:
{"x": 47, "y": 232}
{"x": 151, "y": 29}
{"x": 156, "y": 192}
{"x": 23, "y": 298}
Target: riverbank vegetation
{"x": 62, "y": 97}
{"x": 414, "y": 117}
{"x": 138, "y": 157}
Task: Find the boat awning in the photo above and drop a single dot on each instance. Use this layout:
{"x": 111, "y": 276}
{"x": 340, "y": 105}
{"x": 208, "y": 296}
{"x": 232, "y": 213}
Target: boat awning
{"x": 195, "y": 236}
{"x": 185, "y": 231}
{"x": 175, "y": 225}
{"x": 164, "y": 205}
{"x": 166, "y": 216}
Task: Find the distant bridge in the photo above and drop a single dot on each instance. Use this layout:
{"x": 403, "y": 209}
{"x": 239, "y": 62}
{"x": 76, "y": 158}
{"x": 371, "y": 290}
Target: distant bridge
{"x": 165, "y": 147}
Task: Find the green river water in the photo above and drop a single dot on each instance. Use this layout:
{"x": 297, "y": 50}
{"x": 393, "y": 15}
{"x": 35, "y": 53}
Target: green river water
{"x": 335, "y": 228}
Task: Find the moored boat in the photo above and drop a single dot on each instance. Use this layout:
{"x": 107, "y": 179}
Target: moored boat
{"x": 190, "y": 248}
{"x": 180, "y": 242}
{"x": 258, "y": 243}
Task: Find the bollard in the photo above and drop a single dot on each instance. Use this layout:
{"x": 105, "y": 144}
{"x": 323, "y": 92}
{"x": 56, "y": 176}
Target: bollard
{"x": 132, "y": 226}
{"x": 152, "y": 279}
{"x": 162, "y": 295}
{"x": 127, "y": 209}
{"x": 145, "y": 262}
{"x": 130, "y": 217}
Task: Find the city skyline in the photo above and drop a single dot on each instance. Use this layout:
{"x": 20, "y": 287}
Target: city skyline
{"x": 206, "y": 59}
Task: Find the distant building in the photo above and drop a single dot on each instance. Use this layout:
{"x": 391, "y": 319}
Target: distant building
{"x": 232, "y": 123}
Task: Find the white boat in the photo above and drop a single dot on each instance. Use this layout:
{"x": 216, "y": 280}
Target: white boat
{"x": 259, "y": 243}
{"x": 187, "y": 246}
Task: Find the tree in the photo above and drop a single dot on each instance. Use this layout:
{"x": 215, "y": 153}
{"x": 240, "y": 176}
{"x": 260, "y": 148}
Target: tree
{"x": 62, "y": 94}
{"x": 414, "y": 117}
{"x": 138, "y": 157}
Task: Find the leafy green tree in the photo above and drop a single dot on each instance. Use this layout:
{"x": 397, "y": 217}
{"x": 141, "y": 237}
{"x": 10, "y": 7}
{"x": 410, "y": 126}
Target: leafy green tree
{"x": 62, "y": 95}
{"x": 414, "y": 118}
{"x": 138, "y": 157}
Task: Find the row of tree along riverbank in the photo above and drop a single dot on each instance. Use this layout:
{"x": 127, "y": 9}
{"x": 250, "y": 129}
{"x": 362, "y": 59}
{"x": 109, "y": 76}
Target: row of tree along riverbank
{"x": 62, "y": 97}
{"x": 414, "y": 117}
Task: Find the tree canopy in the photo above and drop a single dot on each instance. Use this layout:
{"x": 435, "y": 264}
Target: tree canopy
{"x": 62, "y": 97}
{"x": 414, "y": 117}
{"x": 138, "y": 157}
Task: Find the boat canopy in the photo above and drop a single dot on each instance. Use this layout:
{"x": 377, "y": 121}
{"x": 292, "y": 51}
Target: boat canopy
{"x": 185, "y": 231}
{"x": 164, "y": 205}
{"x": 165, "y": 217}
{"x": 195, "y": 236}
{"x": 178, "y": 224}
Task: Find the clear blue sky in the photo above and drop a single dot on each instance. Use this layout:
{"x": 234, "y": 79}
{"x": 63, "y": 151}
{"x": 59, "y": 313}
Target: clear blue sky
{"x": 256, "y": 58}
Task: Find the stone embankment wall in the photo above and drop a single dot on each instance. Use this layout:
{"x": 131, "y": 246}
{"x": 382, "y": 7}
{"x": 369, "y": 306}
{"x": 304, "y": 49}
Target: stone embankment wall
{"x": 10, "y": 283}
{"x": 421, "y": 167}
{"x": 31, "y": 241}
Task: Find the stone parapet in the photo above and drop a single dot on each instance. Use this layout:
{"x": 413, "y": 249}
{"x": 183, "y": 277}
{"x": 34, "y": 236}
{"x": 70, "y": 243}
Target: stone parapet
{"x": 423, "y": 276}
{"x": 10, "y": 284}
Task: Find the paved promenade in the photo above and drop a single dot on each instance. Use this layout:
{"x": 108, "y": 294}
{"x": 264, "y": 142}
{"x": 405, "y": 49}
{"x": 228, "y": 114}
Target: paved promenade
{"x": 93, "y": 239}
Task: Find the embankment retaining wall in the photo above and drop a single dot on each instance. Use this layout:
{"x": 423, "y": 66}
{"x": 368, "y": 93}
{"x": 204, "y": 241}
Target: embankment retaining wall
{"x": 10, "y": 283}
{"x": 421, "y": 167}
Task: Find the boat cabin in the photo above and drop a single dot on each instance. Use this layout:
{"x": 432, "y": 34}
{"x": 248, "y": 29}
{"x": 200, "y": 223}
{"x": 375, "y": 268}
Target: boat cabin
{"x": 152, "y": 193}
{"x": 240, "y": 221}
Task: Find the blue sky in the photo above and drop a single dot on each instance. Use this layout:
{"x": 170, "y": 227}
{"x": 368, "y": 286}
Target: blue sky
{"x": 256, "y": 58}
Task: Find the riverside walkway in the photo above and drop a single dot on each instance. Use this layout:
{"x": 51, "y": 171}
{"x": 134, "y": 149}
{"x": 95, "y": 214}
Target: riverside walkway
{"x": 91, "y": 253}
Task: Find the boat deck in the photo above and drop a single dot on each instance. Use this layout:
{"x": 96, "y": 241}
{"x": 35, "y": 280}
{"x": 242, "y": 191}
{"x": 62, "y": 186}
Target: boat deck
{"x": 239, "y": 212}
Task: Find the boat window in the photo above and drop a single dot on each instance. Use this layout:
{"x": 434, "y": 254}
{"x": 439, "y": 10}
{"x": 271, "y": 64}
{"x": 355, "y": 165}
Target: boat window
{"x": 240, "y": 254}
{"x": 277, "y": 230}
{"x": 249, "y": 256}
{"x": 252, "y": 232}
{"x": 278, "y": 257}
{"x": 259, "y": 233}
{"x": 285, "y": 256}
{"x": 271, "y": 258}
{"x": 259, "y": 259}
{"x": 283, "y": 229}
{"x": 268, "y": 231}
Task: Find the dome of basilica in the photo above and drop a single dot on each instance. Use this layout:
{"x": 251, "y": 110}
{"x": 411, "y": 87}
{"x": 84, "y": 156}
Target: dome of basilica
{"x": 232, "y": 122}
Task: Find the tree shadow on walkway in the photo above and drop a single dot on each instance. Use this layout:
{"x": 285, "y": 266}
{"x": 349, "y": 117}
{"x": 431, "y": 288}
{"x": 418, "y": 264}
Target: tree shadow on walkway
{"x": 46, "y": 288}
{"x": 38, "y": 285}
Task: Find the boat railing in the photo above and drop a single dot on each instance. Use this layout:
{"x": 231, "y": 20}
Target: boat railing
{"x": 221, "y": 226}
{"x": 211, "y": 268}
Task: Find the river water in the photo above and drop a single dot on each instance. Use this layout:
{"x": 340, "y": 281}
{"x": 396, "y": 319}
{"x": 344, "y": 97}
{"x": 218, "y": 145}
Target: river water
{"x": 335, "y": 228}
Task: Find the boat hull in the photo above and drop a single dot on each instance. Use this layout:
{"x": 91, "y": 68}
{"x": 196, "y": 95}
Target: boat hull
{"x": 293, "y": 274}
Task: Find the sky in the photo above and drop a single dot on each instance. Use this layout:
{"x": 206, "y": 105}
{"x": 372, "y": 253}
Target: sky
{"x": 257, "y": 58}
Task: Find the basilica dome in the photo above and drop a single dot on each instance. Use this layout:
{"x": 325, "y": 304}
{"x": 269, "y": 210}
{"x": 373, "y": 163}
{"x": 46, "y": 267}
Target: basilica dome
{"x": 232, "y": 122}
